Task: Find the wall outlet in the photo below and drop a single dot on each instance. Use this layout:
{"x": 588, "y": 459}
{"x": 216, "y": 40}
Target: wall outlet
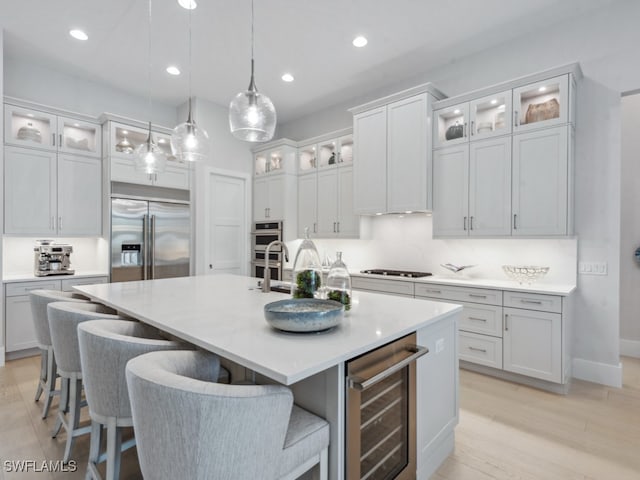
{"x": 592, "y": 268}
{"x": 439, "y": 345}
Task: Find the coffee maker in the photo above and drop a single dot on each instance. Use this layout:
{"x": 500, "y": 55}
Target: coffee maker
{"x": 52, "y": 258}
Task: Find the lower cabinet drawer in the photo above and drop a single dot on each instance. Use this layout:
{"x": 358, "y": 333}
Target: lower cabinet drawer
{"x": 69, "y": 283}
{"x": 484, "y": 319}
{"x": 13, "y": 289}
{"x": 480, "y": 349}
{"x": 382, "y": 286}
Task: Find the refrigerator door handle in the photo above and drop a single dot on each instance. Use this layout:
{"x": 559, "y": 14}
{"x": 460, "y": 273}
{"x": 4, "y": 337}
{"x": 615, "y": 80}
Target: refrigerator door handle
{"x": 145, "y": 263}
{"x": 153, "y": 246}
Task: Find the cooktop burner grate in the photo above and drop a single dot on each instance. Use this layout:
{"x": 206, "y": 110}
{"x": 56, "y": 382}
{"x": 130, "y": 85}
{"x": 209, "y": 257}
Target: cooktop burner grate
{"x": 396, "y": 273}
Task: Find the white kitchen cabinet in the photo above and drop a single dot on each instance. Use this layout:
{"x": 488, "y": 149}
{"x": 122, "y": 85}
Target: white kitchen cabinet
{"x": 32, "y": 128}
{"x": 123, "y": 141}
{"x": 532, "y": 343}
{"x": 307, "y": 203}
{"x": 20, "y": 330}
{"x": 392, "y": 142}
{"x": 370, "y": 170}
{"x": 274, "y": 198}
{"x": 540, "y": 196}
{"x": 451, "y": 191}
{"x": 51, "y": 194}
{"x": 335, "y": 204}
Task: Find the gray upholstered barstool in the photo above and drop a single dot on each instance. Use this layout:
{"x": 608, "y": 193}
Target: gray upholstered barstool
{"x": 105, "y": 348}
{"x": 186, "y": 426}
{"x": 48, "y": 372}
{"x": 64, "y": 318}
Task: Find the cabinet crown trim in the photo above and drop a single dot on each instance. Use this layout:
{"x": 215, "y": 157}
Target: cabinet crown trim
{"x": 410, "y": 92}
{"x": 60, "y": 112}
{"x": 325, "y": 136}
{"x": 132, "y": 122}
{"x": 280, "y": 142}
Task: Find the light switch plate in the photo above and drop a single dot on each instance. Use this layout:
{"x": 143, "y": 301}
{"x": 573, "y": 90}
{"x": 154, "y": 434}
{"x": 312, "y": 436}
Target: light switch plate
{"x": 592, "y": 268}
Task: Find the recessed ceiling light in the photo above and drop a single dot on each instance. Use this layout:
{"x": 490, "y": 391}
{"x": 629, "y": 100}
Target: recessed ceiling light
{"x": 78, "y": 34}
{"x": 173, "y": 70}
{"x": 542, "y": 89}
{"x": 360, "y": 41}
{"x": 188, "y": 4}
{"x": 287, "y": 77}
{"x": 494, "y": 101}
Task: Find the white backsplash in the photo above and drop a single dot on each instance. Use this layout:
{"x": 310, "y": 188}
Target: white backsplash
{"x": 404, "y": 242}
{"x": 89, "y": 254}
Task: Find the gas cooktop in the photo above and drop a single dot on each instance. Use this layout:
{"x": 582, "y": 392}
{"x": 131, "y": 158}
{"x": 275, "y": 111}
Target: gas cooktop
{"x": 396, "y": 273}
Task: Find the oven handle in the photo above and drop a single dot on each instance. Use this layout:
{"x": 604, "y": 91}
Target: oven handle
{"x": 358, "y": 383}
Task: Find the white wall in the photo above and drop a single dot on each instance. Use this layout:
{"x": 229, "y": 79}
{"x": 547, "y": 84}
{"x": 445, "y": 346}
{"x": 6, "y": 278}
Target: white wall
{"x": 54, "y": 88}
{"x": 605, "y": 43}
{"x": 630, "y": 228}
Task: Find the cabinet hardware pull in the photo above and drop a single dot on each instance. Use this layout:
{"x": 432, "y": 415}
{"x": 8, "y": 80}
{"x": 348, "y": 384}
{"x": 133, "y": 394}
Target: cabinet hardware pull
{"x": 478, "y": 319}
{"x": 435, "y": 291}
{"x": 472, "y": 127}
{"x": 334, "y": 227}
{"x": 476, "y": 295}
{"x": 478, "y": 349}
{"x": 515, "y": 118}
{"x": 464, "y": 224}
{"x": 314, "y": 227}
{"x": 534, "y": 302}
{"x": 53, "y": 139}
{"x": 360, "y": 384}
{"x": 338, "y": 223}
{"x": 470, "y": 223}
{"x": 464, "y": 129}
{"x": 515, "y": 225}
{"x": 60, "y": 140}
{"x": 506, "y": 322}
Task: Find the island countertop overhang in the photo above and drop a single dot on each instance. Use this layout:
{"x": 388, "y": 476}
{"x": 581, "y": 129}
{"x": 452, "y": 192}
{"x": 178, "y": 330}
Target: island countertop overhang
{"x": 224, "y": 314}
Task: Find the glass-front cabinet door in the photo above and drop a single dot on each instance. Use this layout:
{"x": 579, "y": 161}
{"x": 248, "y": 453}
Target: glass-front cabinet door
{"x": 29, "y": 128}
{"x": 345, "y": 153}
{"x": 307, "y": 161}
{"x": 79, "y": 137}
{"x": 125, "y": 139}
{"x": 490, "y": 116}
{"x": 268, "y": 161}
{"x": 541, "y": 104}
{"x": 450, "y": 125}
{"x": 327, "y": 153}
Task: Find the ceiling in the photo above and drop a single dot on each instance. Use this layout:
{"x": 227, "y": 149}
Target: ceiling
{"x": 309, "y": 38}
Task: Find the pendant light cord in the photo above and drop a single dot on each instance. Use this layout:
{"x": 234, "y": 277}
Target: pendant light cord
{"x": 252, "y": 16}
{"x": 190, "y": 62}
{"x": 149, "y": 78}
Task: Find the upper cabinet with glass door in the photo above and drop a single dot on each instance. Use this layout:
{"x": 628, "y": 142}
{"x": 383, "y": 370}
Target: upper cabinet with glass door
{"x": 325, "y": 153}
{"x": 125, "y": 139}
{"x": 541, "y": 104}
{"x": 481, "y": 118}
{"x": 276, "y": 157}
{"x": 37, "y": 129}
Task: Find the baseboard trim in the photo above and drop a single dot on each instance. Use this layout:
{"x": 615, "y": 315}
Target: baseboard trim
{"x": 559, "y": 388}
{"x": 596, "y": 372}
{"x": 630, "y": 348}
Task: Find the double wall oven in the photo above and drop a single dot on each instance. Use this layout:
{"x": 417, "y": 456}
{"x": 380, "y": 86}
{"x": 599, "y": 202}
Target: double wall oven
{"x": 263, "y": 234}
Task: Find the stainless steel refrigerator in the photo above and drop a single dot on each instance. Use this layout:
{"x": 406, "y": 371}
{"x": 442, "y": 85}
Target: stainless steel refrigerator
{"x": 149, "y": 239}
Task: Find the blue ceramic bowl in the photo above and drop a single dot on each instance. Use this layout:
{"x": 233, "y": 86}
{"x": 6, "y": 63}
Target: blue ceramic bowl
{"x": 303, "y": 315}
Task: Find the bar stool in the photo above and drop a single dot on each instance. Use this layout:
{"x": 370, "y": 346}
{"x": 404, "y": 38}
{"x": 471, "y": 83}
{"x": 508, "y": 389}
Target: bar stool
{"x": 64, "y": 318}
{"x": 186, "y": 426}
{"x": 48, "y": 372}
{"x": 105, "y": 348}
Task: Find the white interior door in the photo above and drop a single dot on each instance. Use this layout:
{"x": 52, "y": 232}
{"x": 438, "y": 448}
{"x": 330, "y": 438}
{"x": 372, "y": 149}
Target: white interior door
{"x": 226, "y": 221}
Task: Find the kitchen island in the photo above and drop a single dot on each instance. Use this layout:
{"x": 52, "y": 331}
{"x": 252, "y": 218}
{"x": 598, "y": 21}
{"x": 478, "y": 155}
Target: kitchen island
{"x": 224, "y": 314}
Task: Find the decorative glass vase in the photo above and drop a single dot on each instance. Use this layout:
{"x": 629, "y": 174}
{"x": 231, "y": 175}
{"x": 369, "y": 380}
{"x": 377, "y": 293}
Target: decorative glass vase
{"x": 307, "y": 270}
{"x": 339, "y": 283}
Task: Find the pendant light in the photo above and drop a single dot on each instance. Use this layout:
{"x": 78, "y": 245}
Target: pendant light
{"x": 188, "y": 141}
{"x": 150, "y": 158}
{"x": 252, "y": 116}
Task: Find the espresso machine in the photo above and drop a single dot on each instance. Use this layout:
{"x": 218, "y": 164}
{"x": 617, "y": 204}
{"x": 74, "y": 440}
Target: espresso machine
{"x": 52, "y": 258}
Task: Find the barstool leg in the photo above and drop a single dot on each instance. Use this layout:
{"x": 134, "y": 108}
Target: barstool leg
{"x": 63, "y": 406}
{"x": 94, "y": 448}
{"x": 74, "y": 416}
{"x": 43, "y": 373}
{"x": 50, "y": 386}
{"x": 114, "y": 445}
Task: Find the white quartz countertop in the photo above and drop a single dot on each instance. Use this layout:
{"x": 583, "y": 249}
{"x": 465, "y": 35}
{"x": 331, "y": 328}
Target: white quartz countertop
{"x": 30, "y": 277}
{"x": 224, "y": 314}
{"x": 461, "y": 281}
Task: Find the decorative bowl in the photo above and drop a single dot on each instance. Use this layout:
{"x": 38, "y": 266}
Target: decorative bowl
{"x": 303, "y": 315}
{"x": 524, "y": 273}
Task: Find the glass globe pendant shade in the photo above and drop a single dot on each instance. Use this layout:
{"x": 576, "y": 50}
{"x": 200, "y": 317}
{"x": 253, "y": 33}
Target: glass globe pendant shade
{"x": 252, "y": 116}
{"x": 150, "y": 158}
{"x": 189, "y": 142}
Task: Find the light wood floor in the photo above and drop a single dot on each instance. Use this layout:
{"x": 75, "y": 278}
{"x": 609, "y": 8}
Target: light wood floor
{"x": 506, "y": 431}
